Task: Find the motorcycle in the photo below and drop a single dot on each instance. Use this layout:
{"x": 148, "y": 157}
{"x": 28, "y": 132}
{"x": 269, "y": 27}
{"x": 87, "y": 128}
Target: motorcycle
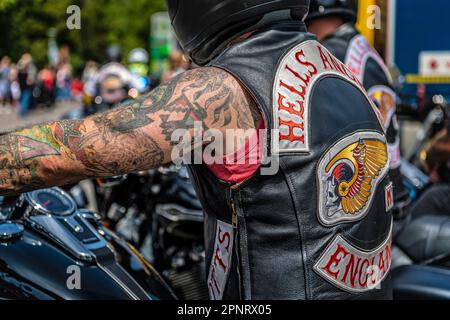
{"x": 159, "y": 212}
{"x": 51, "y": 250}
{"x": 421, "y": 249}
{"x": 434, "y": 121}
{"x": 175, "y": 239}
{"x": 177, "y": 235}
{"x": 421, "y": 259}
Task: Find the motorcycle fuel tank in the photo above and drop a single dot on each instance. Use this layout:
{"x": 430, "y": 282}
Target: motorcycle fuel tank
{"x": 51, "y": 250}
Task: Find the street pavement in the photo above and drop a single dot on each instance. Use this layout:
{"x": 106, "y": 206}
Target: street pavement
{"x": 10, "y": 120}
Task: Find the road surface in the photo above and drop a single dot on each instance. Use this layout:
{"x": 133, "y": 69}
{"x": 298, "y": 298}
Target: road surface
{"x": 9, "y": 119}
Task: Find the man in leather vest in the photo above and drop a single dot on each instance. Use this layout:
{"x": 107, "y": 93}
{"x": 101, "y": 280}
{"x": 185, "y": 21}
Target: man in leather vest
{"x": 307, "y": 216}
{"x": 333, "y": 22}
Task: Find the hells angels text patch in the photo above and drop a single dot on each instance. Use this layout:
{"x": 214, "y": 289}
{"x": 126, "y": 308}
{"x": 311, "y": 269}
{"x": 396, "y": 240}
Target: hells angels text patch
{"x": 348, "y": 175}
{"x": 352, "y": 269}
{"x": 359, "y": 51}
{"x": 296, "y": 75}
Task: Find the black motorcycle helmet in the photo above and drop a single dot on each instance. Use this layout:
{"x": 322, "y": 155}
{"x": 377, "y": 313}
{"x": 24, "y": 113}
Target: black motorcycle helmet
{"x": 346, "y": 9}
{"x": 205, "y": 27}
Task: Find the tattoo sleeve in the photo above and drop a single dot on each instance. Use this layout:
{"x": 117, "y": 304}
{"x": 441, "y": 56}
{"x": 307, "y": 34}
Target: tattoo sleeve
{"x": 132, "y": 137}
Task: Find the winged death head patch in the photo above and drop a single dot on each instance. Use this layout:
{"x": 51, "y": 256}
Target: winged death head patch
{"x": 348, "y": 176}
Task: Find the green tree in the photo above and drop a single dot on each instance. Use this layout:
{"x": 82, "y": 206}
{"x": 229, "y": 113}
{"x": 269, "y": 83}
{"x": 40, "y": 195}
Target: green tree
{"x": 5, "y": 3}
{"x": 25, "y": 25}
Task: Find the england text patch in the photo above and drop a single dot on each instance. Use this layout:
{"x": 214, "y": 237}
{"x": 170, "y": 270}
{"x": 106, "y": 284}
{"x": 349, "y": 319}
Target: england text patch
{"x": 221, "y": 260}
{"x": 352, "y": 269}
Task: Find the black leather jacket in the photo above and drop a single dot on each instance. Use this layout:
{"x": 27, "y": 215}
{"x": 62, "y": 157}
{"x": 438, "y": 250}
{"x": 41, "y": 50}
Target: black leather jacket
{"x": 314, "y": 222}
{"x": 349, "y": 46}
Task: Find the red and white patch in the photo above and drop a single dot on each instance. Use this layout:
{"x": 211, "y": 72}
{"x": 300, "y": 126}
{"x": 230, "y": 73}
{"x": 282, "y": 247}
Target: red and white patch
{"x": 359, "y": 51}
{"x": 389, "y": 196}
{"x": 297, "y": 73}
{"x": 352, "y": 269}
{"x": 395, "y": 158}
{"x": 221, "y": 260}
{"x": 348, "y": 176}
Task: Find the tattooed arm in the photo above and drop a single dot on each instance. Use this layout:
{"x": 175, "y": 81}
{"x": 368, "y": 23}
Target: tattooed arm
{"x": 130, "y": 138}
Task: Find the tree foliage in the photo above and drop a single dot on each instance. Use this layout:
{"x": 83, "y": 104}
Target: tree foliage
{"x": 25, "y": 25}
{"x": 6, "y": 3}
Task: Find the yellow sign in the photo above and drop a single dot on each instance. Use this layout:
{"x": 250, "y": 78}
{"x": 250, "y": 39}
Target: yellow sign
{"x": 363, "y": 17}
{"x": 418, "y": 79}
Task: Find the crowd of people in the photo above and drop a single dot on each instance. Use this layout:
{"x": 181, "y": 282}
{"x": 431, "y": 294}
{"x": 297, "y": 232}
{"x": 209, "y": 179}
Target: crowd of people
{"x": 23, "y": 86}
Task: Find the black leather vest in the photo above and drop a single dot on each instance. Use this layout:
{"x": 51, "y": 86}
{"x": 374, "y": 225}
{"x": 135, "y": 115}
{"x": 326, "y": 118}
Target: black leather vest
{"x": 319, "y": 225}
{"x": 349, "y": 46}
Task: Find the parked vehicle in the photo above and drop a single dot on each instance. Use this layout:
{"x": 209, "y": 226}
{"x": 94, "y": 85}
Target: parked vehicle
{"x": 45, "y": 241}
{"x": 158, "y": 211}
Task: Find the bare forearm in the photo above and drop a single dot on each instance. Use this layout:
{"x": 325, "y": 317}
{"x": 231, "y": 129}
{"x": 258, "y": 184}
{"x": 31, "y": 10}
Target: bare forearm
{"x": 130, "y": 138}
{"x": 29, "y": 159}
{"x": 67, "y": 151}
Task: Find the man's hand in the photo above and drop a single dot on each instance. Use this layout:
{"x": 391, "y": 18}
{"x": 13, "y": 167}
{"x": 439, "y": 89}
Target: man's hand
{"x": 130, "y": 138}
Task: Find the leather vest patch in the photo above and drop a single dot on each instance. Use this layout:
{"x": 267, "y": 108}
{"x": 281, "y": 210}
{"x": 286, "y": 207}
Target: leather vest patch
{"x": 352, "y": 269}
{"x": 295, "y": 77}
{"x": 389, "y": 196}
{"x": 386, "y": 101}
{"x": 221, "y": 260}
{"x": 348, "y": 175}
{"x": 311, "y": 101}
{"x": 359, "y": 51}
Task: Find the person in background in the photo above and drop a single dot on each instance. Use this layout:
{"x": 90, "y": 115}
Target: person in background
{"x": 5, "y": 84}
{"x": 178, "y": 64}
{"x": 138, "y": 64}
{"x": 27, "y": 79}
{"x": 88, "y": 78}
{"x": 435, "y": 160}
{"x": 15, "y": 87}
{"x": 77, "y": 89}
{"x": 63, "y": 75}
{"x": 89, "y": 72}
{"x": 63, "y": 82}
{"x": 113, "y": 67}
{"x": 47, "y": 85}
{"x": 334, "y": 24}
